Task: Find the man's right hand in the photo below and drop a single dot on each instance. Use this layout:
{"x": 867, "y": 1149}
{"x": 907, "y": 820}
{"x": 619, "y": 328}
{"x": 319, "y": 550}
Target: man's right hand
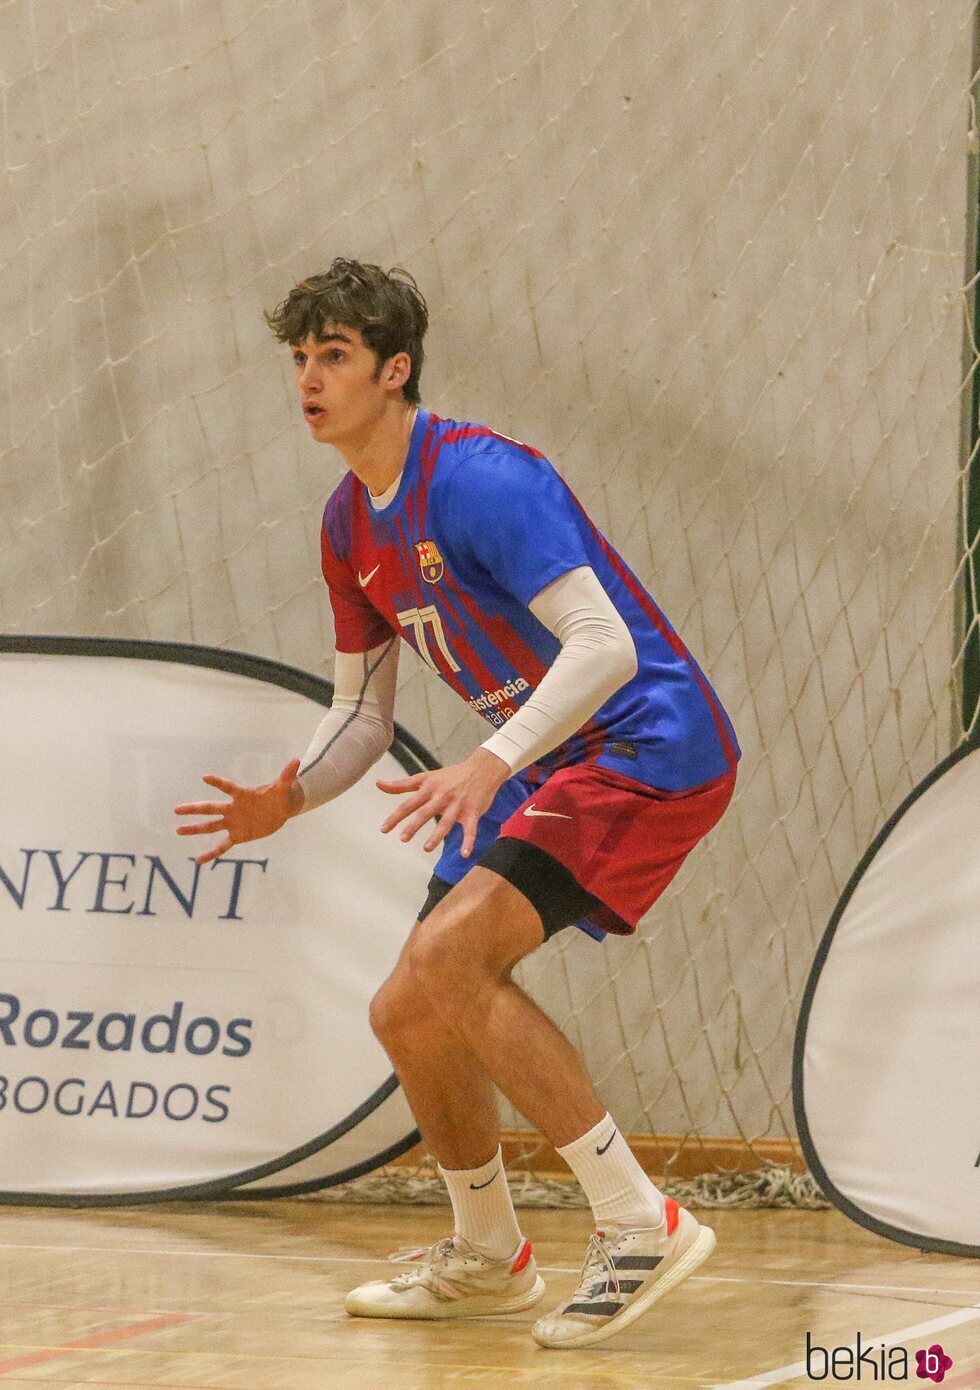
{"x": 251, "y": 814}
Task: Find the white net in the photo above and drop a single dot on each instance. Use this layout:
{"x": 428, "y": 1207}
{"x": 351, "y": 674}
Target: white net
{"x": 710, "y": 260}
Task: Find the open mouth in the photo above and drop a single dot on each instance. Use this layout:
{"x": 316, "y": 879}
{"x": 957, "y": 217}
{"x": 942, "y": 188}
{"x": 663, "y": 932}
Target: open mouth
{"x": 312, "y": 412}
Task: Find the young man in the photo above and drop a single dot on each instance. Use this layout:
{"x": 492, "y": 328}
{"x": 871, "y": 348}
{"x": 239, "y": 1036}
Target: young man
{"x": 610, "y": 757}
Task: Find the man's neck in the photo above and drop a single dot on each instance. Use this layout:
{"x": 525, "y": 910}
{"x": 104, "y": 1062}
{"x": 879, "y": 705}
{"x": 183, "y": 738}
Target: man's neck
{"x": 379, "y": 457}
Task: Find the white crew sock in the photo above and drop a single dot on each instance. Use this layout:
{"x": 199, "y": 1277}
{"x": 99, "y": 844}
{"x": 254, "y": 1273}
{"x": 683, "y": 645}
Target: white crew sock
{"x": 482, "y": 1208}
{"x": 619, "y": 1192}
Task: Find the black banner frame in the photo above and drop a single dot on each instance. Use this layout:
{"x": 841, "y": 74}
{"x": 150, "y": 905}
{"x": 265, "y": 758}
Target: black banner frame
{"x": 916, "y": 1239}
{"x": 413, "y": 757}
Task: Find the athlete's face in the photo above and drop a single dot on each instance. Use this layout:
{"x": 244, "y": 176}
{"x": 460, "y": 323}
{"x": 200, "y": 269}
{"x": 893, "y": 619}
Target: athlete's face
{"x": 343, "y": 388}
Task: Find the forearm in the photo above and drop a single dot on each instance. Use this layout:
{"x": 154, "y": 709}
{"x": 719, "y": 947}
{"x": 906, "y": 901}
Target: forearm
{"x": 597, "y": 657}
{"x": 356, "y": 730}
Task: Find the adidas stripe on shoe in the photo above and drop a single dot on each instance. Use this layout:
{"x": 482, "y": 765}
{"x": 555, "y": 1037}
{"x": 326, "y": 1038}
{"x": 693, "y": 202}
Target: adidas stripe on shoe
{"x": 450, "y": 1280}
{"x": 624, "y": 1274}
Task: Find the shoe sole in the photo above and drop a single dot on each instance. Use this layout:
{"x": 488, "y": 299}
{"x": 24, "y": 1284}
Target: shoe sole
{"x": 477, "y": 1306}
{"x": 695, "y": 1255}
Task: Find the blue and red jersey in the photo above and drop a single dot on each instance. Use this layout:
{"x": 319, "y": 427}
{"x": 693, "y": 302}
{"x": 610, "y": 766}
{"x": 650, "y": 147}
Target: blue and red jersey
{"x": 480, "y": 524}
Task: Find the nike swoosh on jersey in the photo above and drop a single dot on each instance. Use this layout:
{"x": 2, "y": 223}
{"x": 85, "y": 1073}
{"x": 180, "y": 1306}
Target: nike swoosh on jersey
{"x": 365, "y": 579}
{"x": 530, "y": 811}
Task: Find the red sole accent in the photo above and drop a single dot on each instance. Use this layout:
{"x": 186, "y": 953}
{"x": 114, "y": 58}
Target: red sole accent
{"x": 673, "y": 1215}
{"x": 522, "y": 1258}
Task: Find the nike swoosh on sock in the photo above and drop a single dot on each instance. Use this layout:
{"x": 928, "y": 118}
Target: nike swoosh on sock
{"x": 479, "y": 1186}
{"x": 607, "y": 1143}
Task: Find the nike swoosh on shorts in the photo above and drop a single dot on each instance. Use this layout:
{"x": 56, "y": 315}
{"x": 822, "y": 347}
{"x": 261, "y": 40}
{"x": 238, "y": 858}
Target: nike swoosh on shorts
{"x": 530, "y": 811}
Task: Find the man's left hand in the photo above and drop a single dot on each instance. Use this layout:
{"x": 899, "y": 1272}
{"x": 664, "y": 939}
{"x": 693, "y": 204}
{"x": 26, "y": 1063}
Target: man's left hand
{"x": 461, "y": 792}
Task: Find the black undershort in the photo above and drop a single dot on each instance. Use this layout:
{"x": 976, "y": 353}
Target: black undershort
{"x": 552, "y": 890}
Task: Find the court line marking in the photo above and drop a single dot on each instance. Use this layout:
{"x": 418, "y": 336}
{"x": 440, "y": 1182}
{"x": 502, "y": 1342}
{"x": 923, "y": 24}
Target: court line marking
{"x": 776, "y": 1377}
{"x": 850, "y": 1288}
{"x": 526, "y": 1374}
{"x": 115, "y": 1312}
{"x": 973, "y": 1294}
{"x": 904, "y": 1334}
{"x": 207, "y": 1254}
{"x": 123, "y": 1384}
{"x": 95, "y": 1342}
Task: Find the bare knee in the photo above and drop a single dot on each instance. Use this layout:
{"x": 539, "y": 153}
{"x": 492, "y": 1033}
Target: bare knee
{"x": 440, "y": 973}
{"x": 475, "y": 936}
{"x": 452, "y": 964}
{"x": 464, "y": 951}
{"x": 394, "y": 1009}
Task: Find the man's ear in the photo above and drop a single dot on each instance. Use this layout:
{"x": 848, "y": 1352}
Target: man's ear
{"x": 397, "y": 370}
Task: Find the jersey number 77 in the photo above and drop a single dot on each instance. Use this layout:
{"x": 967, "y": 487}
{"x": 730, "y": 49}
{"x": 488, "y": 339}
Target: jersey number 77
{"x": 419, "y": 619}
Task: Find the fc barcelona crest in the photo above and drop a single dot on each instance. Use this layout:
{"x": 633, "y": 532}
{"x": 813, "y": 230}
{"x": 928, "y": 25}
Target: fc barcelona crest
{"x": 430, "y": 561}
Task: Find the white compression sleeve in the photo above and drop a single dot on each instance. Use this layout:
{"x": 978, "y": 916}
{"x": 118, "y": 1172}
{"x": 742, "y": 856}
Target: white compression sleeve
{"x": 598, "y": 655}
{"x": 356, "y": 729}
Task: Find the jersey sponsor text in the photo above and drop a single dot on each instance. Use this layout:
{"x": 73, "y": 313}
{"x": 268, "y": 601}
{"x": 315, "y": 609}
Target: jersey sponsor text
{"x": 490, "y": 698}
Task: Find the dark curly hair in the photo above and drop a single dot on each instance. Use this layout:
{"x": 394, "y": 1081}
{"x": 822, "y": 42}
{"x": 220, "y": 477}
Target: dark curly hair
{"x": 386, "y": 307}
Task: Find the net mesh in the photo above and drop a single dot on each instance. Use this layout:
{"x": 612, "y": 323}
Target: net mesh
{"x": 711, "y": 261}
{"x": 772, "y": 1186}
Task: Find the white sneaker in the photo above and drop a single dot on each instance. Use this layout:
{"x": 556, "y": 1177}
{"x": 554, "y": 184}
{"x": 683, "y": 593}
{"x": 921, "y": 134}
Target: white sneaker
{"x": 626, "y": 1272}
{"x": 450, "y": 1280}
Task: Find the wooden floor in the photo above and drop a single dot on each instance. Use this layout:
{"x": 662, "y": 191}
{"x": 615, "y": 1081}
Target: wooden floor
{"x": 250, "y": 1295}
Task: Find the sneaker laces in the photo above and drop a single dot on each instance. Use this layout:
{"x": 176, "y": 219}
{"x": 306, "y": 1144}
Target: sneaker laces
{"x": 429, "y": 1258}
{"x": 406, "y": 1253}
{"x": 599, "y": 1259}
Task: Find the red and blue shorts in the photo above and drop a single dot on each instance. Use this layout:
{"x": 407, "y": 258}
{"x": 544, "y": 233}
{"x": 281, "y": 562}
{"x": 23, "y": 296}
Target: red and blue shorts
{"x": 588, "y": 846}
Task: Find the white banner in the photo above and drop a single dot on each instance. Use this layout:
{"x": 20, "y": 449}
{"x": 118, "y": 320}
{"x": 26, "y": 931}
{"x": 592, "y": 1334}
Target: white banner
{"x": 885, "y": 1076}
{"x": 166, "y": 1028}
